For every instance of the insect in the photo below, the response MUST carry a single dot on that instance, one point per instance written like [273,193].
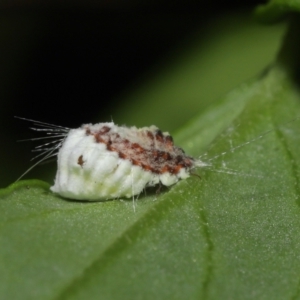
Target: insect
[105,161]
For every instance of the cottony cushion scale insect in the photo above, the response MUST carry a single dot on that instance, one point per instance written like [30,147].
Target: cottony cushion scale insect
[105,161]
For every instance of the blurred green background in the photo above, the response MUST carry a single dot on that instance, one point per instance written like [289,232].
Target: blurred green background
[138,63]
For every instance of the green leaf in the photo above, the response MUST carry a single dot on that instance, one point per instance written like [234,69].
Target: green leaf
[276,9]
[224,236]
[233,234]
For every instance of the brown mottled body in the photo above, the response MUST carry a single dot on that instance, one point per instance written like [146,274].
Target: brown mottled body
[152,149]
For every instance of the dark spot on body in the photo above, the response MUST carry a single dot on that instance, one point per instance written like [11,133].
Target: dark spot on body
[150,135]
[122,155]
[137,148]
[104,130]
[169,143]
[136,162]
[169,139]
[159,136]
[99,139]
[88,131]
[80,160]
[166,156]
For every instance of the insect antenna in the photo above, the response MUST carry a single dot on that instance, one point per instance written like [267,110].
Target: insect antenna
[50,154]
[231,150]
[48,149]
[208,163]
[44,125]
[229,171]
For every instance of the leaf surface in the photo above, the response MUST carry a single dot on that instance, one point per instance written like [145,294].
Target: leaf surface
[276,9]
[233,234]
[218,237]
